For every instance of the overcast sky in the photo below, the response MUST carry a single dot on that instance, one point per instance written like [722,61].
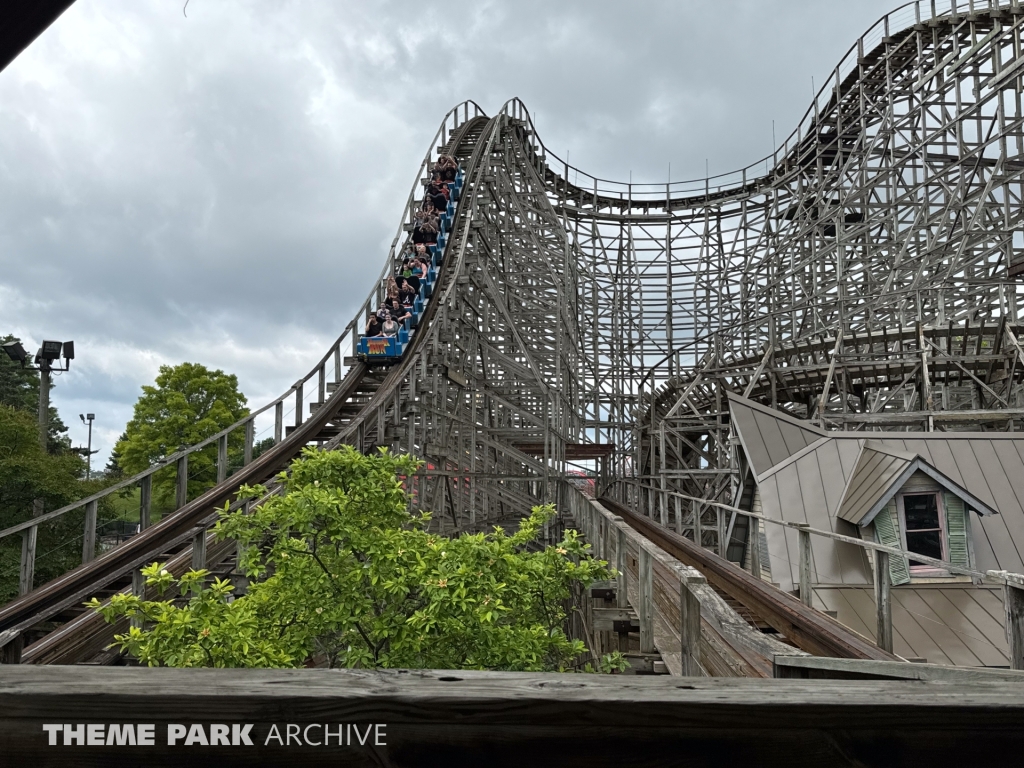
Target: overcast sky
[223,188]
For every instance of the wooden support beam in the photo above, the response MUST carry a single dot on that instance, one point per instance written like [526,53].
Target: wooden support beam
[145,501]
[181,485]
[754,546]
[805,566]
[222,458]
[26,575]
[645,610]
[278,421]
[689,621]
[139,590]
[250,434]
[698,533]
[89,537]
[12,643]
[621,573]
[29,541]
[926,384]
[1013,597]
[621,576]
[883,601]
[199,551]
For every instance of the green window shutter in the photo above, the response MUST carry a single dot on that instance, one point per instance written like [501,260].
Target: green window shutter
[887,531]
[956,529]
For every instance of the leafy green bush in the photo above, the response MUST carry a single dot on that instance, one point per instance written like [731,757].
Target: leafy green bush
[343,575]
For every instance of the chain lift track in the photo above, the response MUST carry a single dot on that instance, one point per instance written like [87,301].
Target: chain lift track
[865,275]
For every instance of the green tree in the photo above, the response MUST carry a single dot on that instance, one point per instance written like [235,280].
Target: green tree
[113,469]
[188,403]
[19,389]
[343,575]
[28,473]
[262,446]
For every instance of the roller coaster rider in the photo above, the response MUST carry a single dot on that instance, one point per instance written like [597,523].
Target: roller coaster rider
[405,293]
[445,170]
[427,227]
[409,289]
[389,327]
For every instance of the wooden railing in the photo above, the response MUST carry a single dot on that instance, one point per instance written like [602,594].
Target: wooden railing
[679,615]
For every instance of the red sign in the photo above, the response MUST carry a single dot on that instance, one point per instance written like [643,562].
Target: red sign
[377,346]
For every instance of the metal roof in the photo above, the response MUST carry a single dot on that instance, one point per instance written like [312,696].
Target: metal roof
[880,472]
[810,485]
[877,470]
[770,437]
[958,625]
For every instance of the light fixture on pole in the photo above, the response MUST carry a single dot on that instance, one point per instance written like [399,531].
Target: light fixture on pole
[16,352]
[48,354]
[88,451]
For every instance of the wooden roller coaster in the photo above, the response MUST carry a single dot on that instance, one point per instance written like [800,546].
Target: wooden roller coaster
[865,276]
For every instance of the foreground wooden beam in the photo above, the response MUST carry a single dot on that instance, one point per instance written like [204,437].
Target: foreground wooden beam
[494,719]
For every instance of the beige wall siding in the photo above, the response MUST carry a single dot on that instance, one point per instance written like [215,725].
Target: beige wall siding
[953,625]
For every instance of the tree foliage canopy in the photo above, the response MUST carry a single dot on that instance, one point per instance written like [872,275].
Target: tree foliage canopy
[27,472]
[188,404]
[344,575]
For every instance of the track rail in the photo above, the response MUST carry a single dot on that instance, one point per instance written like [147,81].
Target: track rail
[808,629]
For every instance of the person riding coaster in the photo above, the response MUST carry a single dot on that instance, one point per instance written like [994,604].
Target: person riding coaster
[405,287]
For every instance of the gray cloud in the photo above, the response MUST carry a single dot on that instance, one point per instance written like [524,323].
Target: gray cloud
[222,188]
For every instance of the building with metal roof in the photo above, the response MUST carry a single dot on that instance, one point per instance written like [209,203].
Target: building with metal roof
[957,497]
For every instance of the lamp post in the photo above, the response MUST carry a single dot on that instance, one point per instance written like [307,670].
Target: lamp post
[48,353]
[88,450]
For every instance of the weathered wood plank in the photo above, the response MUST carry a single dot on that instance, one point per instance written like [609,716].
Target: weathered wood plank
[89,536]
[821,668]
[490,718]
[883,601]
[1014,601]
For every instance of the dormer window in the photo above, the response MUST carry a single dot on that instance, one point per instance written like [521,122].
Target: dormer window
[923,523]
[926,518]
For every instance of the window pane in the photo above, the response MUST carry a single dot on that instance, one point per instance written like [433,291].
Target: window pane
[927,543]
[921,512]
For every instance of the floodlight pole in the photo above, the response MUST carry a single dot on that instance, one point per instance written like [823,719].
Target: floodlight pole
[88,450]
[44,403]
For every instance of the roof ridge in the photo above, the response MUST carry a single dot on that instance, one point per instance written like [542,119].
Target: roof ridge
[873,444]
